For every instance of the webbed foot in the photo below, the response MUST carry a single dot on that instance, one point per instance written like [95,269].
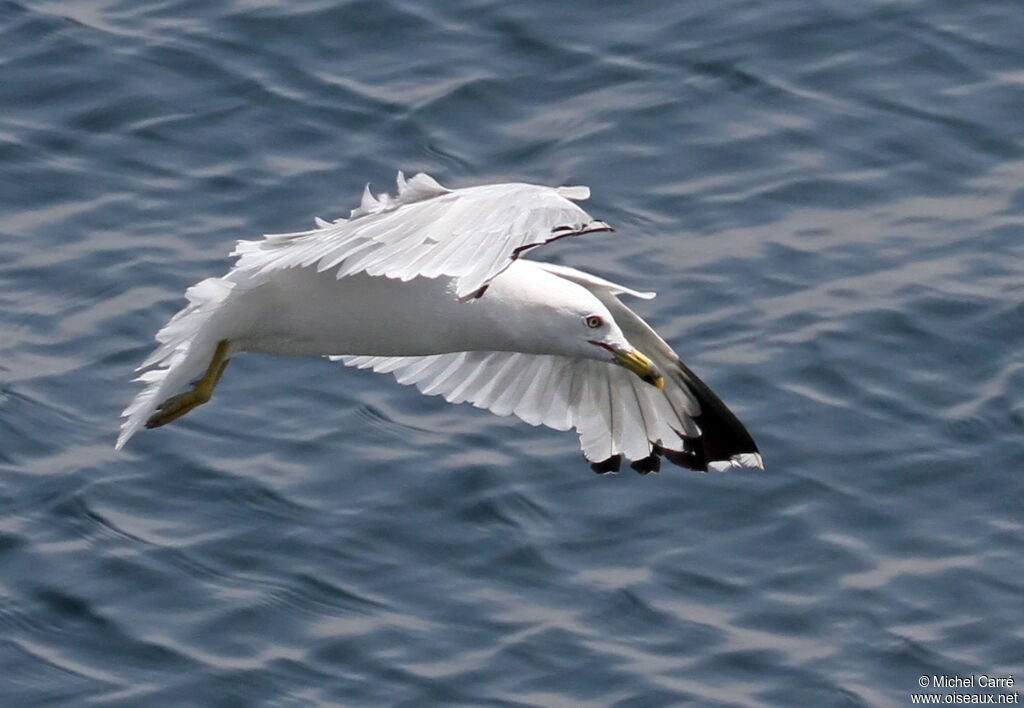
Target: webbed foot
[201,391]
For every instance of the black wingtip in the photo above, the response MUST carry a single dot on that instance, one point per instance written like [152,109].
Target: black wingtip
[646,465]
[608,466]
[687,457]
[723,439]
[723,442]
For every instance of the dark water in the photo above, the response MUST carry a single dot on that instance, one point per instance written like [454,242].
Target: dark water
[829,198]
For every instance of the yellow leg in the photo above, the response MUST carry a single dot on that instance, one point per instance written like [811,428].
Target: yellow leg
[177,406]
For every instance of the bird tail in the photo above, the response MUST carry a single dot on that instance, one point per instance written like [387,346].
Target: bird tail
[187,344]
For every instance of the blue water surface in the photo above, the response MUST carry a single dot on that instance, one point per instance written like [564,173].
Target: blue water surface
[829,198]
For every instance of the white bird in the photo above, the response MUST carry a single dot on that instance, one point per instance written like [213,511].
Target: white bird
[429,285]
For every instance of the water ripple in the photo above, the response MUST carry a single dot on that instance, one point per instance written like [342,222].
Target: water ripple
[828,200]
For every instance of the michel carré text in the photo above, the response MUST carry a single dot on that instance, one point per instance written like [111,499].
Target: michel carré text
[972,681]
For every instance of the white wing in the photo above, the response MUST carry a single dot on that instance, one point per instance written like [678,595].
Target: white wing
[723,441]
[427,230]
[614,412]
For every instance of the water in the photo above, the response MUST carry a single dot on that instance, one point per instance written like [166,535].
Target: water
[828,198]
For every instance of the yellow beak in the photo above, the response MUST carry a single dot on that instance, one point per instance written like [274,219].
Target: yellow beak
[640,365]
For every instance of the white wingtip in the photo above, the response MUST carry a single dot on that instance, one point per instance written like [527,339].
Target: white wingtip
[577,193]
[744,460]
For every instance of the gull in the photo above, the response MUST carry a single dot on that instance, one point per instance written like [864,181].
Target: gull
[431,285]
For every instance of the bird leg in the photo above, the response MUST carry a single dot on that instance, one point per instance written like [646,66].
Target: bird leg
[177,406]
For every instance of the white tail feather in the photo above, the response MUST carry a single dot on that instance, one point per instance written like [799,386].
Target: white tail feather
[187,344]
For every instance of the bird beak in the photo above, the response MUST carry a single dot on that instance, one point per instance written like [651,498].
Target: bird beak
[640,365]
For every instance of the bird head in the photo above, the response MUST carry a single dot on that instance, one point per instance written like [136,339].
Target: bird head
[603,333]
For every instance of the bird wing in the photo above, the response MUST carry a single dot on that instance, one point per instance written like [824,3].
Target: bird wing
[615,413]
[723,440]
[427,230]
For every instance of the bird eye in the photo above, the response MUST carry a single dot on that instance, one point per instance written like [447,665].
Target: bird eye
[594,322]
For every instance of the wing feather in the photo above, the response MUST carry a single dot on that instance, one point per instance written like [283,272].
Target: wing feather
[427,230]
[613,412]
[714,437]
